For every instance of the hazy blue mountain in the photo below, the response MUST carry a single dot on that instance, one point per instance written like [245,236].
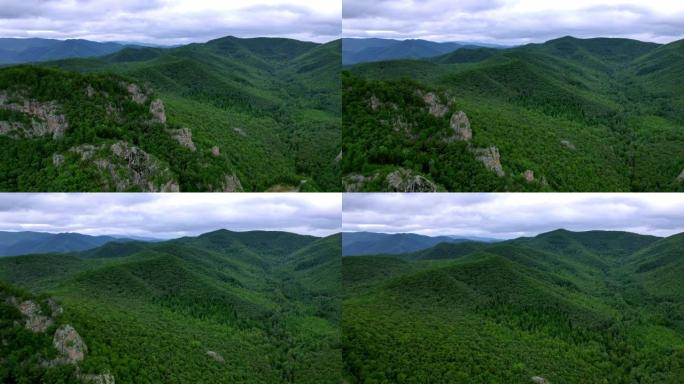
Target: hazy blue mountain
[16,51]
[371,243]
[22,243]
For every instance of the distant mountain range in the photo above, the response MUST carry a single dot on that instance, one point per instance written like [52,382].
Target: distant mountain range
[17,51]
[355,51]
[372,243]
[22,243]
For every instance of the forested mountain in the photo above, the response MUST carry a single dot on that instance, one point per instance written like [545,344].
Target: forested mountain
[223,307]
[373,243]
[562,307]
[229,115]
[567,115]
[21,243]
[16,51]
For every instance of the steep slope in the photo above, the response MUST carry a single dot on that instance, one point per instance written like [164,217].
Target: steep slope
[537,117]
[246,307]
[563,307]
[233,114]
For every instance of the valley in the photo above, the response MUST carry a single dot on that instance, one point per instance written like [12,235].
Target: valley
[561,307]
[566,115]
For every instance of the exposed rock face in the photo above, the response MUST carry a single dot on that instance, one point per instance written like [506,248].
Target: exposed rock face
[35,320]
[435,108]
[216,356]
[69,344]
[529,176]
[55,308]
[374,103]
[57,159]
[567,144]
[45,120]
[87,151]
[232,184]
[491,159]
[338,158]
[158,112]
[140,168]
[680,178]
[354,182]
[170,186]
[184,137]
[461,126]
[103,378]
[90,91]
[215,151]
[539,380]
[136,93]
[403,180]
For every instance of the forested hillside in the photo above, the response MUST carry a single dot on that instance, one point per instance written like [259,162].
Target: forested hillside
[224,307]
[563,307]
[229,115]
[566,115]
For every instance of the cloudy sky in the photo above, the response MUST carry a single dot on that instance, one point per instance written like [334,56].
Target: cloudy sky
[506,216]
[169,215]
[513,22]
[169,22]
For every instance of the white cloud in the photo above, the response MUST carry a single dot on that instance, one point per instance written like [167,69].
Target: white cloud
[171,21]
[513,214]
[170,215]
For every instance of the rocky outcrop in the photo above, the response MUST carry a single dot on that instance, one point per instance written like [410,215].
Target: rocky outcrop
[374,103]
[528,175]
[435,108]
[158,112]
[680,178]
[103,378]
[403,180]
[184,137]
[69,344]
[240,131]
[137,94]
[90,91]
[567,144]
[460,124]
[355,182]
[491,158]
[539,380]
[87,151]
[35,320]
[215,151]
[45,118]
[216,356]
[232,184]
[57,159]
[338,158]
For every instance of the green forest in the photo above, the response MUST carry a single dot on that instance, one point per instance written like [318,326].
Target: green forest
[567,115]
[224,307]
[562,307]
[229,115]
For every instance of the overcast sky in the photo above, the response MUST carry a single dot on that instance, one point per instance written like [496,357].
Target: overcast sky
[506,216]
[169,215]
[170,22]
[513,22]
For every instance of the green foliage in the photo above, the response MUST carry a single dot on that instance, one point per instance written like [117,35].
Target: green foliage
[570,307]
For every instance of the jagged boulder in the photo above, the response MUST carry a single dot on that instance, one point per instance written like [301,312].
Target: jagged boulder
[158,112]
[491,158]
[216,356]
[103,378]
[55,308]
[35,320]
[137,94]
[184,137]
[57,159]
[45,118]
[215,151]
[528,175]
[232,184]
[460,124]
[404,180]
[69,344]
[568,144]
[435,108]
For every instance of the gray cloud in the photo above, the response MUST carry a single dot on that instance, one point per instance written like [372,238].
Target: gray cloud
[514,21]
[170,21]
[170,215]
[512,215]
